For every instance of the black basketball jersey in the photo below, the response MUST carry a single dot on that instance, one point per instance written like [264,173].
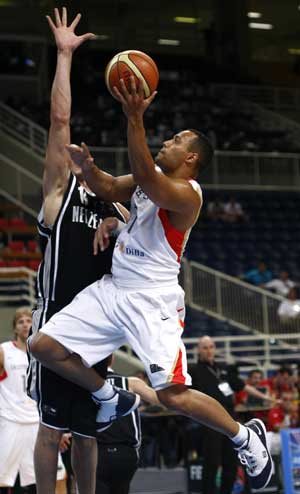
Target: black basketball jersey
[126,430]
[68,264]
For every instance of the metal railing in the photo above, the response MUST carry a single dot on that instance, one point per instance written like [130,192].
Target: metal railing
[19,185]
[260,351]
[276,98]
[243,305]
[17,285]
[242,170]
[23,129]
[230,169]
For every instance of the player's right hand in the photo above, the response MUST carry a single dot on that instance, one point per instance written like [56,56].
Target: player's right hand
[65,442]
[65,38]
[103,232]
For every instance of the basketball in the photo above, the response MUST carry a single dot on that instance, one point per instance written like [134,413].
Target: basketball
[132,62]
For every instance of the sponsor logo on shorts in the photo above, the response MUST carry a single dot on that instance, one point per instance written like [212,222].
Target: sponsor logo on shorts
[155,368]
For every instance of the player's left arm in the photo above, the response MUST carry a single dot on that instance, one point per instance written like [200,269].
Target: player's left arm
[147,393]
[174,195]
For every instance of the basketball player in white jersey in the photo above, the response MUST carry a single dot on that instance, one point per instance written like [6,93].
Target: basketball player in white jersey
[142,303]
[19,416]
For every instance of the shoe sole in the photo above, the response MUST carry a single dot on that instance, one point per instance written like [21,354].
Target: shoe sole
[134,406]
[264,440]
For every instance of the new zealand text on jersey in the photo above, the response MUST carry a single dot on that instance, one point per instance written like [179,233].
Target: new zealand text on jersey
[84,215]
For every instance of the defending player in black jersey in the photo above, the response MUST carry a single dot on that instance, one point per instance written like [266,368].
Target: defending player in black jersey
[67,223]
[118,446]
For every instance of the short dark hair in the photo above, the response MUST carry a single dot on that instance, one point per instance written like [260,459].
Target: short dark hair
[255,371]
[201,145]
[285,369]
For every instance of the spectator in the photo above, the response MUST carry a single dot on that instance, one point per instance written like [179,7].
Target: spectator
[284,416]
[283,381]
[220,382]
[258,276]
[255,379]
[282,284]
[215,209]
[233,211]
[289,309]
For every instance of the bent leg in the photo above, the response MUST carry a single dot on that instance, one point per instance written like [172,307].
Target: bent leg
[57,358]
[199,407]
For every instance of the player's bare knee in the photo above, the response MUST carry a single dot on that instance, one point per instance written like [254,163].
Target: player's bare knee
[173,397]
[83,442]
[44,348]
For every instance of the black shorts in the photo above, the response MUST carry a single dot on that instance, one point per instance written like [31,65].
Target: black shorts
[117,464]
[62,405]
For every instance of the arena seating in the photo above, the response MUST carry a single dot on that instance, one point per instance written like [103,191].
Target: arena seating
[272,234]
[228,124]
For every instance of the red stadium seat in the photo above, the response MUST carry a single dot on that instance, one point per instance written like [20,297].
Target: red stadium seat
[15,263]
[16,245]
[4,223]
[32,246]
[33,264]
[17,222]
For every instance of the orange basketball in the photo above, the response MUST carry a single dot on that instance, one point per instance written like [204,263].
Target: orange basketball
[132,62]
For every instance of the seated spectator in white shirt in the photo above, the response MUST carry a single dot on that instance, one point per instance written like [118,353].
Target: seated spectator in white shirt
[215,209]
[289,309]
[233,211]
[282,284]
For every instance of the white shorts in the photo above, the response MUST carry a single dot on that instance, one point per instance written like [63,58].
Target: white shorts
[104,317]
[16,453]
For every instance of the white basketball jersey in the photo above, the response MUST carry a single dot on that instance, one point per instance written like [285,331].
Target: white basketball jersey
[148,250]
[15,405]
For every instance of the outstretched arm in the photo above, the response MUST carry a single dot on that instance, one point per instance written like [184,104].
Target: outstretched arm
[141,388]
[251,390]
[105,186]
[56,170]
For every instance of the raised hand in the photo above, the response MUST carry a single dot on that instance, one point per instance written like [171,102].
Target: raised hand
[80,155]
[133,102]
[65,37]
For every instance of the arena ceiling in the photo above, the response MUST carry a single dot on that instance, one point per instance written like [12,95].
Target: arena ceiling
[139,24]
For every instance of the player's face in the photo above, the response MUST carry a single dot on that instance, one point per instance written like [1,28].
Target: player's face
[23,326]
[174,151]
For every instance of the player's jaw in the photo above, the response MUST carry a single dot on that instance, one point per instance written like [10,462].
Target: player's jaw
[22,332]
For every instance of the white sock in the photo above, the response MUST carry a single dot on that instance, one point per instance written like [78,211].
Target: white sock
[105,392]
[241,436]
